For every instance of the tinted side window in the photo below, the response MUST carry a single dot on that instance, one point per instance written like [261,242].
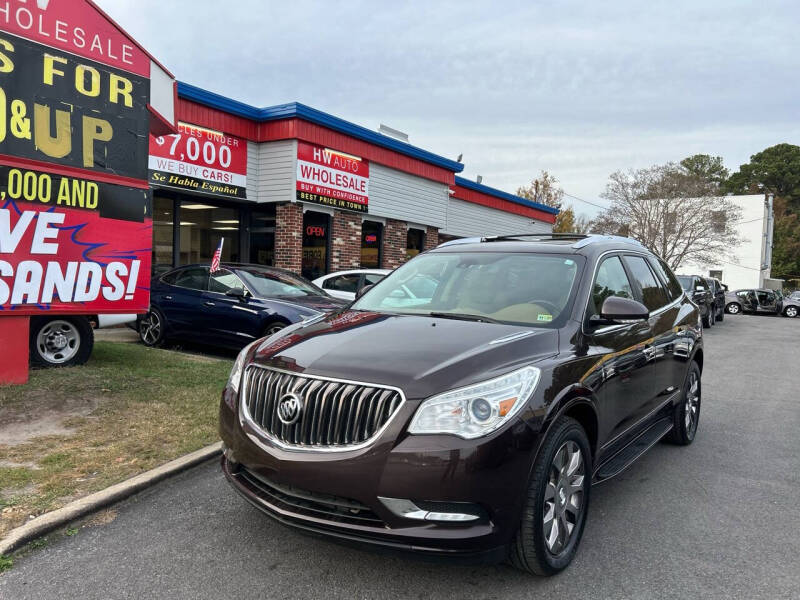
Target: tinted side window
[611,280]
[653,295]
[667,277]
[223,280]
[344,283]
[193,279]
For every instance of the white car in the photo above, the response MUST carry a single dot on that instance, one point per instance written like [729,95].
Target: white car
[345,284]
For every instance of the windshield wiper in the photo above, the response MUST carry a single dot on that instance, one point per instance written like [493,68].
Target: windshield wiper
[463,317]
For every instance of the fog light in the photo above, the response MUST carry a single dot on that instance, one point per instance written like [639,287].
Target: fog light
[434,511]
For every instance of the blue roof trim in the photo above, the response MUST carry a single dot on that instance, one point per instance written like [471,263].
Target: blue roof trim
[301,111]
[485,189]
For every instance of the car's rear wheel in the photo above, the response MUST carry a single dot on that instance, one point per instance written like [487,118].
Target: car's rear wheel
[790,311]
[556,502]
[687,413]
[708,319]
[152,328]
[60,341]
[721,315]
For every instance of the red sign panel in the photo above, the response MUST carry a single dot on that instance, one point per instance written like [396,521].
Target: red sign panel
[200,160]
[75,221]
[74,26]
[332,178]
[69,245]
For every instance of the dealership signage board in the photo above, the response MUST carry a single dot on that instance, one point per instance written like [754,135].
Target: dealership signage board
[332,178]
[75,116]
[199,160]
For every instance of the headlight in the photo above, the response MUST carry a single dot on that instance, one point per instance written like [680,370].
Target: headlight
[478,409]
[238,366]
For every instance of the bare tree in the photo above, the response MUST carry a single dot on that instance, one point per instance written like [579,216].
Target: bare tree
[675,213]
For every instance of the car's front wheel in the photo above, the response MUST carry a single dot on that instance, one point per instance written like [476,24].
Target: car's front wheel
[556,502]
[733,308]
[790,311]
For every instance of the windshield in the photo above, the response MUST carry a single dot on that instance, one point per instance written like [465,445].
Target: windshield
[686,282]
[524,288]
[268,284]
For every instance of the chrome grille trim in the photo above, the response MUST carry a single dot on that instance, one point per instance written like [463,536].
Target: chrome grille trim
[339,415]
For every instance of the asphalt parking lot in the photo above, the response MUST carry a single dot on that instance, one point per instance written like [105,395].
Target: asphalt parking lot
[719,519]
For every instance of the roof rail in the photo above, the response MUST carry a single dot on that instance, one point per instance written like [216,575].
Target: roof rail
[594,238]
[550,236]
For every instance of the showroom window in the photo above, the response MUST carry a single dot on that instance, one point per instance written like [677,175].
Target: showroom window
[371,237]
[163,221]
[201,228]
[415,242]
[316,231]
[262,236]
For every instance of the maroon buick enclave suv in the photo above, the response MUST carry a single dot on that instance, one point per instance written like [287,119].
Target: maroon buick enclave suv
[464,405]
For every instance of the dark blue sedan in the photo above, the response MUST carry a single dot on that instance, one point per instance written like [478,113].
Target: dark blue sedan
[230,307]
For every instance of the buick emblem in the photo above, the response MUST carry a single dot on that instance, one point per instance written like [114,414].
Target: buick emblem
[289,408]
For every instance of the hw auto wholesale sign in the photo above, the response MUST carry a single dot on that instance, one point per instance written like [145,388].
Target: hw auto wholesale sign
[200,160]
[75,222]
[332,178]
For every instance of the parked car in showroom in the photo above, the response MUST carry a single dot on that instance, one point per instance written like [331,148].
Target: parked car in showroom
[752,301]
[473,424]
[229,307]
[698,289]
[67,340]
[346,284]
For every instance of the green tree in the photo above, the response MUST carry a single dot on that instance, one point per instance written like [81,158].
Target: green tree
[709,168]
[544,190]
[776,170]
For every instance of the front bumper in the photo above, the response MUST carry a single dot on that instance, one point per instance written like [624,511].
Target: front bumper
[491,473]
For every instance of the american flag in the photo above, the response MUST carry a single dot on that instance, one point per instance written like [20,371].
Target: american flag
[217,256]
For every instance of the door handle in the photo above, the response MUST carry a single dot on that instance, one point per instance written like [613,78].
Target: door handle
[167,297]
[208,303]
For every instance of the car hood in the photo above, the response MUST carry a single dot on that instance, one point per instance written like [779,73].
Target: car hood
[420,355]
[318,303]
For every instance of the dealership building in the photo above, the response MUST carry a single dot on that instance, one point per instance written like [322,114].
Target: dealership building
[297,188]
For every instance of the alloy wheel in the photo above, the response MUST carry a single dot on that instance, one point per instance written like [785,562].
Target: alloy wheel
[150,328]
[733,309]
[58,341]
[274,329]
[563,496]
[692,403]
[791,311]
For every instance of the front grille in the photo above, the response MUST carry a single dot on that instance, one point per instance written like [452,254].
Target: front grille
[333,414]
[312,504]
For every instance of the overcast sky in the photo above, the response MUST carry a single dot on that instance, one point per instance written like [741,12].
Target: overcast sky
[578,88]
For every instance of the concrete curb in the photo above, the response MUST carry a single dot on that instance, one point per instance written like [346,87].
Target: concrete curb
[74,510]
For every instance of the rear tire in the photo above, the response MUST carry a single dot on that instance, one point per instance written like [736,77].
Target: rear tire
[721,316]
[60,341]
[556,502]
[152,328]
[708,319]
[686,416]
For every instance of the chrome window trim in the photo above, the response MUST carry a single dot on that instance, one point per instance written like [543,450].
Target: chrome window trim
[600,259]
[244,413]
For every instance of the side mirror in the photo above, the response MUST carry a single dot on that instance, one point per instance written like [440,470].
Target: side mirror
[623,310]
[236,292]
[364,290]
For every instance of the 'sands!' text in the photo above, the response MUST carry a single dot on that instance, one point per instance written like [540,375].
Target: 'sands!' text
[58,252]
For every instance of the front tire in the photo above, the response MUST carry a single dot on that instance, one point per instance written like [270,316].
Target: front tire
[60,341]
[733,308]
[708,319]
[687,414]
[556,502]
[790,311]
